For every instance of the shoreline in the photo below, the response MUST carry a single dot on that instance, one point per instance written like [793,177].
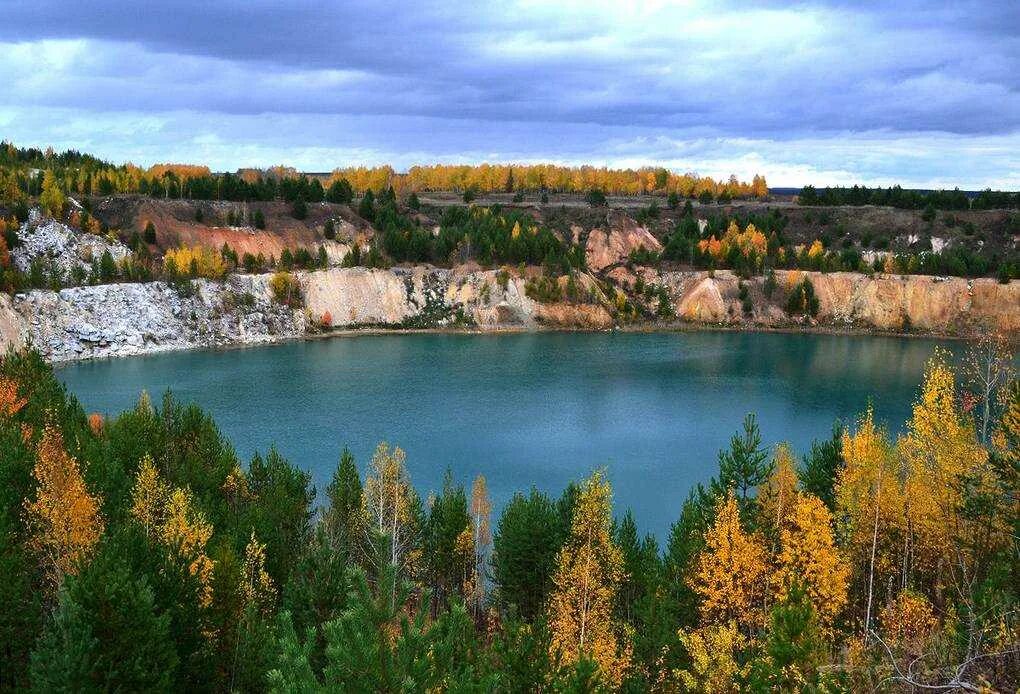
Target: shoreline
[372,331]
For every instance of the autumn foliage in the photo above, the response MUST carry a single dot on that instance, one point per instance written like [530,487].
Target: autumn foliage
[64,518]
[487,178]
[877,562]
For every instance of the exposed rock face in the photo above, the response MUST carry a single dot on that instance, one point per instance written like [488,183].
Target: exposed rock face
[123,319]
[12,325]
[610,246]
[895,302]
[65,247]
[888,302]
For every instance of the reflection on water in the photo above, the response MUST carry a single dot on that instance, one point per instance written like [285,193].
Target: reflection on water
[531,409]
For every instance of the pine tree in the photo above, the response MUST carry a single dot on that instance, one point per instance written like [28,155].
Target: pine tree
[793,650]
[450,562]
[528,538]
[293,672]
[107,633]
[743,467]
[821,467]
[344,518]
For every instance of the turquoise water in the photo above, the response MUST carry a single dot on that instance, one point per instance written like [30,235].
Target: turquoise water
[528,409]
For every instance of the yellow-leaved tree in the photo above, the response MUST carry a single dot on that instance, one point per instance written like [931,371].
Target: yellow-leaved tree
[810,558]
[390,502]
[938,451]
[870,504]
[589,568]
[256,585]
[777,497]
[169,516]
[52,198]
[713,666]
[186,531]
[10,402]
[64,520]
[729,575]
[149,497]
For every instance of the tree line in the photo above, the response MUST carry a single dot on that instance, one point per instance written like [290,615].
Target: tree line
[137,553]
[896,196]
[21,171]
[752,244]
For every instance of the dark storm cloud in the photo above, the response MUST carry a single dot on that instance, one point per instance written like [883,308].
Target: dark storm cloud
[760,70]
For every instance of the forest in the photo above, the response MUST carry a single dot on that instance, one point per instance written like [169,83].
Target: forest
[138,553]
[21,173]
[895,196]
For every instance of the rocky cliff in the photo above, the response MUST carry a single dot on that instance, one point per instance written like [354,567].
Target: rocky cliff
[888,303]
[124,319]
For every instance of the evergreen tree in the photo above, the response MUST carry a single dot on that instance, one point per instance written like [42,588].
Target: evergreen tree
[366,208]
[822,466]
[292,673]
[743,467]
[343,520]
[793,650]
[107,633]
[528,536]
[449,544]
[317,593]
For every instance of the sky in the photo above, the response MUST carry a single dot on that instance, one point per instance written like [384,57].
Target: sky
[925,94]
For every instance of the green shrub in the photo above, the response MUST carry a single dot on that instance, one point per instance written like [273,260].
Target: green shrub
[802,300]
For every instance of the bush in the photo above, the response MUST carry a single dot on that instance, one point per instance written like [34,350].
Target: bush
[543,289]
[469,196]
[340,192]
[366,208]
[595,198]
[150,233]
[299,210]
[329,230]
[802,300]
[286,289]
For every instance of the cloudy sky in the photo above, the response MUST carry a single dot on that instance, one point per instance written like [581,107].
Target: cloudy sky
[823,91]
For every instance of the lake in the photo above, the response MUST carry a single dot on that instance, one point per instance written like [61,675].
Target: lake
[525,410]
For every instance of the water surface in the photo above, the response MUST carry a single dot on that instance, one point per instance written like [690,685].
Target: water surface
[528,409]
